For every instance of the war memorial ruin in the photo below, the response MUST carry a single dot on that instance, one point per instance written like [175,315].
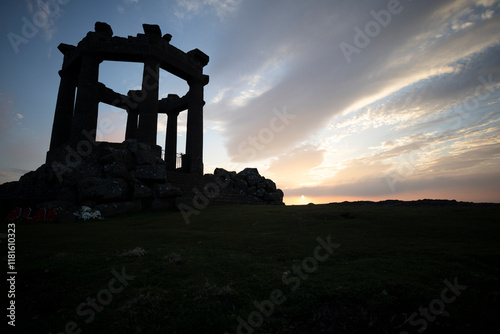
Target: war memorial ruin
[131,176]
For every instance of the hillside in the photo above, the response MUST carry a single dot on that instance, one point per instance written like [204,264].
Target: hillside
[337,268]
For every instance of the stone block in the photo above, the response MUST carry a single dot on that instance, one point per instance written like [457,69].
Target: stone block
[260,192]
[119,208]
[143,157]
[104,29]
[276,196]
[151,172]
[152,29]
[117,170]
[122,156]
[166,191]
[99,189]
[140,190]
[161,204]
[251,175]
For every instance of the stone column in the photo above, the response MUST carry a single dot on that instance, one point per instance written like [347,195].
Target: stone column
[63,117]
[148,117]
[171,140]
[131,130]
[194,135]
[86,106]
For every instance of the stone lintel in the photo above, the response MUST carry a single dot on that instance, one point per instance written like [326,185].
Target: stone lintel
[104,29]
[173,104]
[108,96]
[199,57]
[136,49]
[65,48]
[152,29]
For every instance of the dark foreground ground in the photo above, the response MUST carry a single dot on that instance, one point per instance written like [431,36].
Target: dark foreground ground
[391,267]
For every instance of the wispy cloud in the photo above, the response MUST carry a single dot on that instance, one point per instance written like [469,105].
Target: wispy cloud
[45,14]
[318,86]
[222,8]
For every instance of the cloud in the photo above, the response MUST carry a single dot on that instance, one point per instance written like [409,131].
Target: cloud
[296,165]
[44,15]
[222,8]
[480,187]
[312,79]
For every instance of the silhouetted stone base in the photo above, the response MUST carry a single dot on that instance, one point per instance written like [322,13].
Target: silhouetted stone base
[129,177]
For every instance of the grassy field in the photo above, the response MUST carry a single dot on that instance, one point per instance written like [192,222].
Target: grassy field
[337,268]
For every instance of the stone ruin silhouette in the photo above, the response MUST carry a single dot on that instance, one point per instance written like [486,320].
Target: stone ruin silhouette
[77,120]
[131,176]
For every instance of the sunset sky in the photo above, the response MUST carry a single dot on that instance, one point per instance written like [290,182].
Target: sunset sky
[333,100]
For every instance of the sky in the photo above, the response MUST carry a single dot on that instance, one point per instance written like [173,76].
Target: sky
[333,100]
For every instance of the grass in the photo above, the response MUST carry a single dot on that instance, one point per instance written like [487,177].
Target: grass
[206,276]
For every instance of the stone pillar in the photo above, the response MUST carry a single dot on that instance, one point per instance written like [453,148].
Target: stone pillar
[194,135]
[171,140]
[148,117]
[131,130]
[86,106]
[63,117]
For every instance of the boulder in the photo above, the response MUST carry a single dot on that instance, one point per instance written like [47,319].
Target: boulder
[104,29]
[116,170]
[99,189]
[160,204]
[275,197]
[251,175]
[259,192]
[166,191]
[269,185]
[122,156]
[140,190]
[151,172]
[81,172]
[119,208]
[143,157]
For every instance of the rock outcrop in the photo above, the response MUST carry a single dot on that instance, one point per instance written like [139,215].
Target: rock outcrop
[130,177]
[115,178]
